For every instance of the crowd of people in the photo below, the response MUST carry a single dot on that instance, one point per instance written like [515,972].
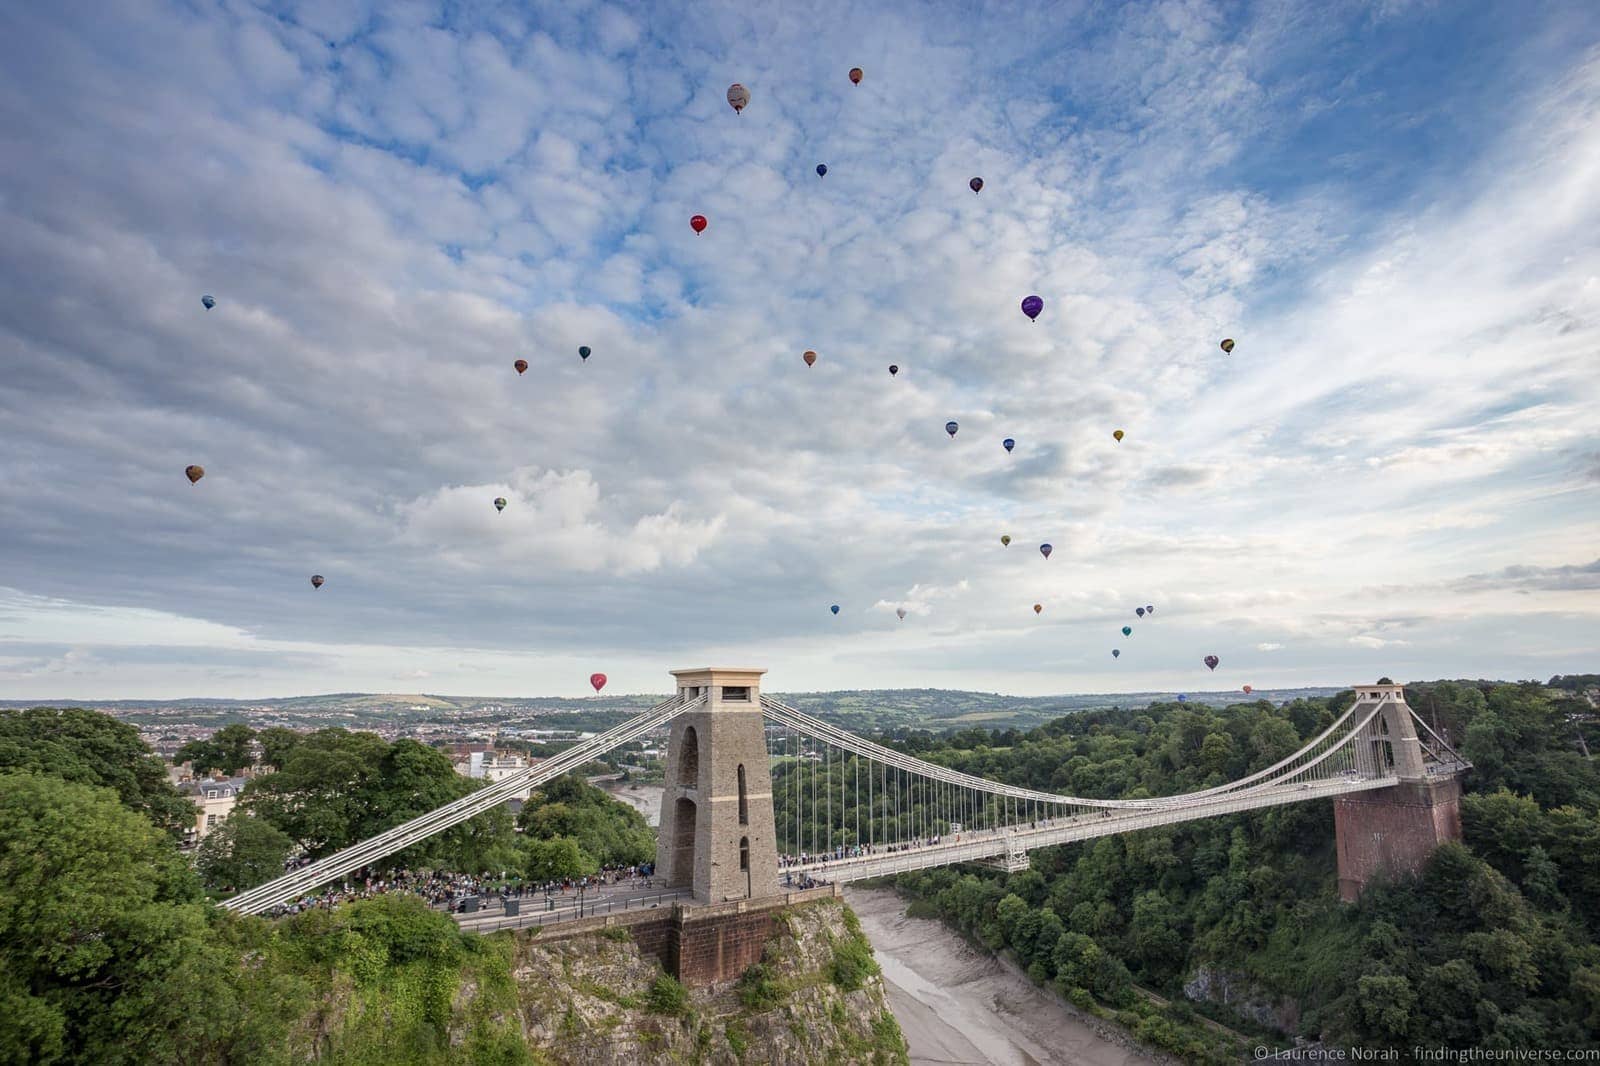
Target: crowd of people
[451,891]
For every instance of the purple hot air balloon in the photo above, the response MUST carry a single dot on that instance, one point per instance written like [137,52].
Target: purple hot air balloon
[1139,611]
[1212,661]
[1045,550]
[1032,305]
[1149,610]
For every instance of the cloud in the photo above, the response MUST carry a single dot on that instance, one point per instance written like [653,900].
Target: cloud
[392,204]
[1269,646]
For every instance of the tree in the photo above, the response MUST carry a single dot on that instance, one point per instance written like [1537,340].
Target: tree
[277,744]
[94,749]
[614,833]
[243,852]
[105,951]
[556,859]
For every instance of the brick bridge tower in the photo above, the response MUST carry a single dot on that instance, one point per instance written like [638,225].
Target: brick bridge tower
[717,835]
[1390,832]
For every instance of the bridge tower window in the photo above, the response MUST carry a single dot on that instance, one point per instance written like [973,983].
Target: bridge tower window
[744,853]
[744,803]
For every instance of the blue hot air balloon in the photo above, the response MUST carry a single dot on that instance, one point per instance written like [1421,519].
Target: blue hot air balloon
[1182,698]
[1116,653]
[1032,305]
[1127,631]
[834,608]
[208,301]
[951,427]
[1008,444]
[1139,611]
[822,169]
[1045,550]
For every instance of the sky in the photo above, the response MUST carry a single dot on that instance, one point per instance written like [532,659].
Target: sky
[1393,208]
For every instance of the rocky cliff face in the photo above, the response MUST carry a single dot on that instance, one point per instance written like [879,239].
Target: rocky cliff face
[1242,996]
[816,997]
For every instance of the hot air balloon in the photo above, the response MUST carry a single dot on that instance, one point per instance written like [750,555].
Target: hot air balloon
[1031,306]
[316,581]
[976,184]
[499,503]
[208,302]
[951,427]
[893,370]
[1008,444]
[738,97]
[584,352]
[1127,631]
[1211,661]
[1116,653]
[1182,698]
[194,473]
[1227,345]
[855,75]
[1248,690]
[901,613]
[1038,608]
[698,223]
[834,608]
[598,681]
[1005,539]
[1149,610]
[822,170]
[810,358]
[1116,434]
[1139,611]
[1045,550]
[521,365]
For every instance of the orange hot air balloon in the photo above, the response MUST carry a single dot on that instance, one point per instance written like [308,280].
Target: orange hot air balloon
[698,223]
[1117,434]
[521,365]
[194,473]
[598,681]
[810,358]
[1038,608]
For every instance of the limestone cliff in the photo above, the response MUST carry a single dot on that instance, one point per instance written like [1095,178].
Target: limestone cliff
[815,997]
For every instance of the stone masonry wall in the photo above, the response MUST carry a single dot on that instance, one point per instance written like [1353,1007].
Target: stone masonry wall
[1391,832]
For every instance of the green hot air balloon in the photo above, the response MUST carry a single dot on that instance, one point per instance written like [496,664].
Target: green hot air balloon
[1127,631]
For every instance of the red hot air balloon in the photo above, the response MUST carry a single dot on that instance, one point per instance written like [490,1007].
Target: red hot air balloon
[1248,690]
[598,681]
[810,358]
[855,75]
[1211,661]
[698,223]
[521,365]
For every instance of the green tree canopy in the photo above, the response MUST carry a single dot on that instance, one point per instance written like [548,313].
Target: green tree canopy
[230,749]
[243,852]
[613,833]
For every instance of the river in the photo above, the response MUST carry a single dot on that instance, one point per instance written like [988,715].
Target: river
[956,1003]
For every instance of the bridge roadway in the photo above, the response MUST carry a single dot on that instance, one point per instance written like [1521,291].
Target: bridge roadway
[988,845]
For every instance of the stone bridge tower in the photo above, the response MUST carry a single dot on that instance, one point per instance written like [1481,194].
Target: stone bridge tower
[717,834]
[1391,832]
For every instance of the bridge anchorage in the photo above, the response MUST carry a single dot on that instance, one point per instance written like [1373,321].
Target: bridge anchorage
[762,800]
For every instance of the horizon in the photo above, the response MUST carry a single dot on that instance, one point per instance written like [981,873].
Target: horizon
[1394,471]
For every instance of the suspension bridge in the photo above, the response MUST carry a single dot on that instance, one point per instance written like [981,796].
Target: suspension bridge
[761,797]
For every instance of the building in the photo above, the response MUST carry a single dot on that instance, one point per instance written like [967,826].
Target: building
[487,765]
[214,798]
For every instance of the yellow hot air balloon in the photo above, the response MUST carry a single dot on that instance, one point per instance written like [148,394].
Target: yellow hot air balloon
[194,473]
[1117,434]
[1227,345]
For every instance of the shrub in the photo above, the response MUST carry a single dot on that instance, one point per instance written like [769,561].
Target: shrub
[667,996]
[852,964]
[758,990]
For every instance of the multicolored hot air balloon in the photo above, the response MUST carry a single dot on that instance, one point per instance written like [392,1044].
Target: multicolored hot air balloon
[1038,608]
[208,302]
[698,223]
[900,612]
[598,681]
[1248,690]
[1127,631]
[1116,653]
[976,185]
[738,97]
[194,473]
[584,352]
[499,503]
[1045,550]
[521,365]
[1139,611]
[1032,305]
[822,170]
[834,608]
[1211,661]
[1116,434]
[316,581]
[1005,539]
[951,427]
[1008,444]
[1227,345]
[893,370]
[855,75]
[810,358]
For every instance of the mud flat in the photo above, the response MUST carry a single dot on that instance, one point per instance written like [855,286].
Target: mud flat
[959,1004]
[646,799]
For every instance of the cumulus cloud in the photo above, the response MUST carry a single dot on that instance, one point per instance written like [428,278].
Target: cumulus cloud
[391,207]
